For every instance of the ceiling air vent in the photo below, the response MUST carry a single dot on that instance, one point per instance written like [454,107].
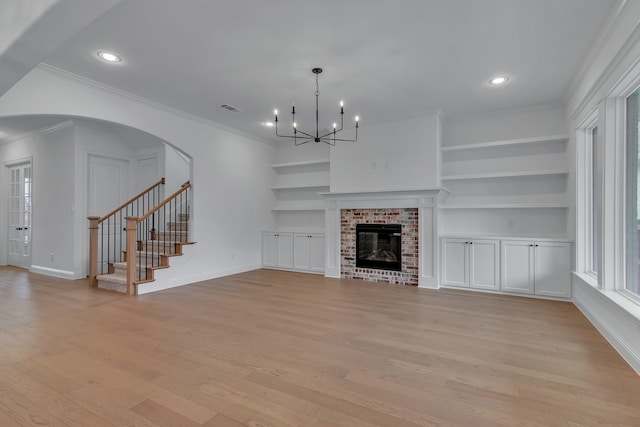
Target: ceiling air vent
[230,108]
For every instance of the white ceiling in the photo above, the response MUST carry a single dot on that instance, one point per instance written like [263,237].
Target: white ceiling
[387,60]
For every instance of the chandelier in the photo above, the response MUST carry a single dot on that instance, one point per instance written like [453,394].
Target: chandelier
[300,137]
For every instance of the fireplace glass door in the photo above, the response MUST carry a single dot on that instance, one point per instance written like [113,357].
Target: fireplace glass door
[379,246]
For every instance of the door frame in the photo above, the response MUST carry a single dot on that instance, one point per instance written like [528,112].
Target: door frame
[4,204]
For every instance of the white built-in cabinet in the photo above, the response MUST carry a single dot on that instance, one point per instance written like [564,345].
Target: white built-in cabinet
[277,249]
[536,267]
[471,263]
[532,267]
[308,252]
[293,251]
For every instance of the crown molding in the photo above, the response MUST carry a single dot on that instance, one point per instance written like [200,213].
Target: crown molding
[47,129]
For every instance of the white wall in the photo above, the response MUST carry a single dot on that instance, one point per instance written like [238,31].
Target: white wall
[177,169]
[389,156]
[231,172]
[52,154]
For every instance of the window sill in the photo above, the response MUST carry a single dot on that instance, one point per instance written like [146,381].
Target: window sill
[616,298]
[587,278]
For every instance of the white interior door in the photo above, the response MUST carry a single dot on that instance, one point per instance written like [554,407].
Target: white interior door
[20,215]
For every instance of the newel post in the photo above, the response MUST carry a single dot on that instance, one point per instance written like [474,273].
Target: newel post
[132,255]
[93,249]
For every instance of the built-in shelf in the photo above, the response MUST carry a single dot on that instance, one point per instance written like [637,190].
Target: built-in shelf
[301,187]
[301,205]
[510,174]
[506,142]
[310,163]
[298,209]
[551,205]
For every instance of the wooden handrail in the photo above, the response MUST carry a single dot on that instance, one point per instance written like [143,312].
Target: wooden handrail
[131,200]
[183,188]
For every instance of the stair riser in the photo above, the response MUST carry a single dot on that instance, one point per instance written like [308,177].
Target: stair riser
[177,226]
[176,236]
[110,286]
[123,270]
[165,248]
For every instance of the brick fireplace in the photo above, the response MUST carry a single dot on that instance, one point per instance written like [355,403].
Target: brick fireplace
[416,210]
[407,218]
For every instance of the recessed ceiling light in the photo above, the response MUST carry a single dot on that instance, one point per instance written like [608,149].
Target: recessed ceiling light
[267,124]
[499,80]
[109,57]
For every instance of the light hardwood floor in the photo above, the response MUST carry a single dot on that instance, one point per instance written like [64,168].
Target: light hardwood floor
[269,348]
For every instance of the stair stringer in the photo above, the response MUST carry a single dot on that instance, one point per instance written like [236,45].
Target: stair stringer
[187,269]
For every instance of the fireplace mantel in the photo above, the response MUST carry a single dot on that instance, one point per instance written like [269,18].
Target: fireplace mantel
[393,198]
[426,200]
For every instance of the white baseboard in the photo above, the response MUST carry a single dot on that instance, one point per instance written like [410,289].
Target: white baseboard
[616,324]
[63,274]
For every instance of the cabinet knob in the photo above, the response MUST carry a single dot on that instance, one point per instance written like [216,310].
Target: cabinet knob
[531,245]
[536,246]
[471,243]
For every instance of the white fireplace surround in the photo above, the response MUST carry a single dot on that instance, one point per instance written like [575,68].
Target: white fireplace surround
[425,200]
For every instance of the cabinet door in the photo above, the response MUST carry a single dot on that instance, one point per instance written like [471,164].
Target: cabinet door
[484,264]
[285,250]
[301,244]
[269,249]
[517,266]
[316,253]
[553,269]
[454,262]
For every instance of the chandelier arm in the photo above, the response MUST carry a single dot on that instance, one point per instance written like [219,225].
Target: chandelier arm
[303,142]
[339,139]
[342,139]
[305,134]
[341,121]
[292,136]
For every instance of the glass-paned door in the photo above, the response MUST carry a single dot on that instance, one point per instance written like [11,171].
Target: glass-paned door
[20,215]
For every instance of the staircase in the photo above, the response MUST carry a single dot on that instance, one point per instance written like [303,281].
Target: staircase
[152,255]
[129,255]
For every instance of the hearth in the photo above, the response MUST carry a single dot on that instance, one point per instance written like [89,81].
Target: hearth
[379,246]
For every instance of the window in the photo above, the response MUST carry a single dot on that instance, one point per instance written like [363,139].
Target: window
[632,201]
[596,200]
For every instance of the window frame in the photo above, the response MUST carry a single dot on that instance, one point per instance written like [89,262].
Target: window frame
[585,176]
